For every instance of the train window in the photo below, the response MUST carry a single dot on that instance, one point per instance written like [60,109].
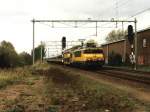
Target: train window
[90,51]
[77,53]
[144,43]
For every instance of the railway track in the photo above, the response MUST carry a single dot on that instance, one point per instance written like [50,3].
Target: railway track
[130,75]
[126,75]
[127,70]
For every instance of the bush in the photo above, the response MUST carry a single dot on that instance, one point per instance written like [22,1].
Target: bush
[37,52]
[115,59]
[8,55]
[25,59]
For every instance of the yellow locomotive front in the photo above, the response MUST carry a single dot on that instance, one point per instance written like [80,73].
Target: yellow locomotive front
[93,56]
[88,57]
[66,58]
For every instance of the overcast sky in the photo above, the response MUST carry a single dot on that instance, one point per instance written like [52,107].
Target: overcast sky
[15,16]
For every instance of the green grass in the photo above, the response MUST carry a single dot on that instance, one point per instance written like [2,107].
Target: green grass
[19,75]
[40,66]
[12,76]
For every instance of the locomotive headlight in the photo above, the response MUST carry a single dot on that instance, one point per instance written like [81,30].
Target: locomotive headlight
[98,58]
[88,59]
[101,58]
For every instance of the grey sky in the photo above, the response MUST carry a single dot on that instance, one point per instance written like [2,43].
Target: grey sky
[15,16]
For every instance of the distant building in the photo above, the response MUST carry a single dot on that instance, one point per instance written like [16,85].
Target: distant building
[123,48]
[144,47]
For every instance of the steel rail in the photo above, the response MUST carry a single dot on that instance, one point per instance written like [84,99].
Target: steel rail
[127,76]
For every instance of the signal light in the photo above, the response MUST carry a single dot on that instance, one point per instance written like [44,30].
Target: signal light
[63,42]
[130,34]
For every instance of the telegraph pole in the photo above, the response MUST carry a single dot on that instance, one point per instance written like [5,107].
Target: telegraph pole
[33,53]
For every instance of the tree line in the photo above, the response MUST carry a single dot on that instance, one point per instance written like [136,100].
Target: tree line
[9,58]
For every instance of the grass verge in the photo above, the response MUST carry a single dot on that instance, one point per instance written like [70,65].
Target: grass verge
[72,93]
[12,76]
[54,89]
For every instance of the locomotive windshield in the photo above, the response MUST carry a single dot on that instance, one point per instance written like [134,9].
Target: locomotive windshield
[95,51]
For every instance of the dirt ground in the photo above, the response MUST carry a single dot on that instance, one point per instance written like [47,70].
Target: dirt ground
[34,95]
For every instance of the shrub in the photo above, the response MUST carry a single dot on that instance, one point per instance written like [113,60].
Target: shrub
[8,55]
[115,59]
[25,59]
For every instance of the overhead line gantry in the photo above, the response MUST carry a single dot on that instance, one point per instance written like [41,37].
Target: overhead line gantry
[88,21]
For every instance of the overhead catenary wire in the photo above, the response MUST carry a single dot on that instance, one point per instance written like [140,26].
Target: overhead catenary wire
[140,12]
[134,15]
[115,5]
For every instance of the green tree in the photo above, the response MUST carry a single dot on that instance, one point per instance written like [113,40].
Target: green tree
[25,58]
[116,35]
[37,52]
[8,55]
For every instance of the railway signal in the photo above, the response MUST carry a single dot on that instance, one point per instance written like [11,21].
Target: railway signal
[63,43]
[130,34]
[133,44]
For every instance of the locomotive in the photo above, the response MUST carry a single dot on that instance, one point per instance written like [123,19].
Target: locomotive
[84,56]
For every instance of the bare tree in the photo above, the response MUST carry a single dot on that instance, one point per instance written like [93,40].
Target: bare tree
[116,35]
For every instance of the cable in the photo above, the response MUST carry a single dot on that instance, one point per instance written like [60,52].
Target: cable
[124,3]
[44,24]
[140,12]
[117,7]
[118,3]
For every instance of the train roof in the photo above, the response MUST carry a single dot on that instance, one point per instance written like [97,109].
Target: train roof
[89,48]
[81,48]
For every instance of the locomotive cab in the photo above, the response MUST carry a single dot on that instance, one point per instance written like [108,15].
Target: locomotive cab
[93,56]
[88,57]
